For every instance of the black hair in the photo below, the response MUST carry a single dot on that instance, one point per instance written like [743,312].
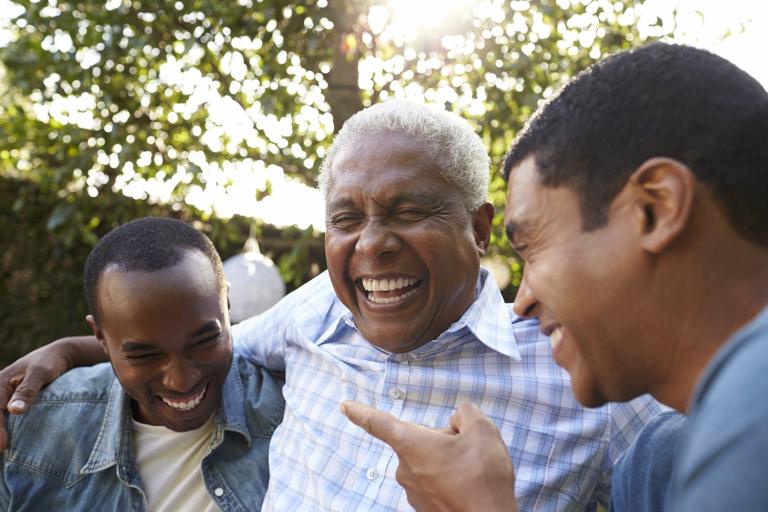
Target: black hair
[147,244]
[663,100]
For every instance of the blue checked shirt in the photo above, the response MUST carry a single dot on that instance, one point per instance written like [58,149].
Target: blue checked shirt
[563,453]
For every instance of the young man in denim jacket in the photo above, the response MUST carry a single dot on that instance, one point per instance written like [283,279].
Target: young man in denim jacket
[175,423]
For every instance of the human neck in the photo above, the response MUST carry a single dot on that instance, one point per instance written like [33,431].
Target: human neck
[713,305]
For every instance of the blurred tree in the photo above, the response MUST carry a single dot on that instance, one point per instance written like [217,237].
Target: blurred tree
[163,101]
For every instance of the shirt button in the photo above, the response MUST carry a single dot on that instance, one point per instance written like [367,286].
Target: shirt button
[371,474]
[219,492]
[396,394]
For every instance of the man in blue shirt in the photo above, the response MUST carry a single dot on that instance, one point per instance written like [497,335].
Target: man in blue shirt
[637,198]
[174,423]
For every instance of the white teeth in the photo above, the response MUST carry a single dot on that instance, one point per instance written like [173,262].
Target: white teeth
[186,405]
[556,337]
[390,300]
[386,285]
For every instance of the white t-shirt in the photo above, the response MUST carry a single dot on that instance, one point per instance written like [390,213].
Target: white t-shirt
[170,467]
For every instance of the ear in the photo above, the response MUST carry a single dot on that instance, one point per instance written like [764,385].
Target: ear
[482,227]
[98,333]
[665,190]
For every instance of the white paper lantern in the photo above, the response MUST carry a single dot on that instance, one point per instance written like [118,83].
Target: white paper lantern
[255,284]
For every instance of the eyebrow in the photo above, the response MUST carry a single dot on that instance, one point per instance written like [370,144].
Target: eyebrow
[396,200]
[136,346]
[341,203]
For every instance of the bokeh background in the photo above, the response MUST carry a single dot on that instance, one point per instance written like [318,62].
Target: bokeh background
[219,112]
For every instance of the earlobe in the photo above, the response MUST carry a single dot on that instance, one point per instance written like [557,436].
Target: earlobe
[482,227]
[665,189]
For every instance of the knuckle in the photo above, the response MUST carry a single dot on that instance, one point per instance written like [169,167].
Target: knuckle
[26,389]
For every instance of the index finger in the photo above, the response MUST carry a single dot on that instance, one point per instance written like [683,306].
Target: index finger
[379,424]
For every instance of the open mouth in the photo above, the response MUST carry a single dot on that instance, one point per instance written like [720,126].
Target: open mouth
[389,290]
[186,404]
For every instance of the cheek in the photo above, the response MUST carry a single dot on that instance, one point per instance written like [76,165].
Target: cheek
[337,250]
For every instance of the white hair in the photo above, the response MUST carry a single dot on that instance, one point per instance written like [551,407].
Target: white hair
[458,151]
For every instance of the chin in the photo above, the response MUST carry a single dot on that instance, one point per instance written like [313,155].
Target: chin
[589,396]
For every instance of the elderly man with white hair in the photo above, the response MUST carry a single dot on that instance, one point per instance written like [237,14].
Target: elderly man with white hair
[407,321]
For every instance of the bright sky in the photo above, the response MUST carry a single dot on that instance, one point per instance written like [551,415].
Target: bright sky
[735,29]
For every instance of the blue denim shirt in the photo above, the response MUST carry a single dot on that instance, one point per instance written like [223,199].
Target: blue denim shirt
[73,450]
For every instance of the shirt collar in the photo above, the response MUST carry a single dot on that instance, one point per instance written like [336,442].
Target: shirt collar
[114,435]
[231,413]
[722,356]
[488,318]
[113,444]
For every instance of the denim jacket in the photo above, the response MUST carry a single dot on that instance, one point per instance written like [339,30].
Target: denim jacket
[73,450]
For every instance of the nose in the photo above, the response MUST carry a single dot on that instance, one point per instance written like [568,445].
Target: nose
[377,239]
[526,304]
[180,375]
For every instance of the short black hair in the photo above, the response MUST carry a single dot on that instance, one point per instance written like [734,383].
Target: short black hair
[147,244]
[663,100]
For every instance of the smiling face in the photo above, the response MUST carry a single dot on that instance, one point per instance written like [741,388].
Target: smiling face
[402,250]
[588,288]
[166,333]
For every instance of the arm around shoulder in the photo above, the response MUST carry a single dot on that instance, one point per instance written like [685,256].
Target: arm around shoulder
[22,380]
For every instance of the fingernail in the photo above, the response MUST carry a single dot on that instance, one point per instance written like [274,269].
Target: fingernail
[17,404]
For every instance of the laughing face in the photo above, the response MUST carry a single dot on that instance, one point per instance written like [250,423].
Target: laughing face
[589,289]
[402,249]
[166,333]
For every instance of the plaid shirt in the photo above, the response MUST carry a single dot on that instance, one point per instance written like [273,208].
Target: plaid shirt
[563,453]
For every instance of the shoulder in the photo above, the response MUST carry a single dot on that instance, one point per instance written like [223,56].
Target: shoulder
[729,401]
[312,304]
[79,384]
[654,449]
[262,394]
[65,419]
[726,447]
[641,479]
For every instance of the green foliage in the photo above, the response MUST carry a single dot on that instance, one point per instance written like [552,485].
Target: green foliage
[100,100]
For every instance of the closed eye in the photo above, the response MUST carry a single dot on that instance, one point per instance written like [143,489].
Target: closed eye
[411,214]
[212,340]
[146,356]
[344,221]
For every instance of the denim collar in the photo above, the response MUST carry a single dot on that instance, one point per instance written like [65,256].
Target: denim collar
[114,444]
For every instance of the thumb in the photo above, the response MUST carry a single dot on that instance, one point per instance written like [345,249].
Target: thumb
[26,392]
[379,424]
[469,416]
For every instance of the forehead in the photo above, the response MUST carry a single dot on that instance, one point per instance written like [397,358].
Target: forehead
[523,192]
[135,292]
[387,165]
[532,206]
